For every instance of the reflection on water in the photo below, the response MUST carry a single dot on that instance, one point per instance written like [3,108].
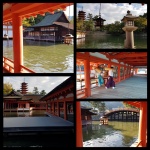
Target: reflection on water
[115,134]
[31,113]
[95,40]
[44,57]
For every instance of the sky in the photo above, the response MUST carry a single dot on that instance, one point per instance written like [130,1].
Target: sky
[46,83]
[71,12]
[112,12]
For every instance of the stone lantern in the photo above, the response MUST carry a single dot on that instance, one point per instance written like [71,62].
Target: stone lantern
[129,28]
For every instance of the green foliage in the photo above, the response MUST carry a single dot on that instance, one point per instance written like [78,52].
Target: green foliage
[43,92]
[141,23]
[90,16]
[7,88]
[25,22]
[87,25]
[114,28]
[35,90]
[98,104]
[39,18]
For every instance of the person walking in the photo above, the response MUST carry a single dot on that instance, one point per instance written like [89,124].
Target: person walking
[98,76]
[110,82]
[100,80]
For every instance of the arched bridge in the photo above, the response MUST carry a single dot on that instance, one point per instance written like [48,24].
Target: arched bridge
[123,114]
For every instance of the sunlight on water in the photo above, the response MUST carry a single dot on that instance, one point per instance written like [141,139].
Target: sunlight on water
[115,134]
[44,57]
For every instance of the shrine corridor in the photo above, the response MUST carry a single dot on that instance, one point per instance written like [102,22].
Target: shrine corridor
[133,87]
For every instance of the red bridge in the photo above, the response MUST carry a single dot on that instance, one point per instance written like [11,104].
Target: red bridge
[130,114]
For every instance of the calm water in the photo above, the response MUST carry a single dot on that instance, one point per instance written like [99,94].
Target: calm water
[115,134]
[32,113]
[94,40]
[44,57]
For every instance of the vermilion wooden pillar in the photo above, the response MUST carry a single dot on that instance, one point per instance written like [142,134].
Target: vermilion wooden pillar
[124,74]
[58,109]
[65,111]
[87,74]
[79,136]
[143,123]
[17,42]
[119,73]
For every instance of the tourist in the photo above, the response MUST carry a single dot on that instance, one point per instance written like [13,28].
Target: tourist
[100,80]
[98,75]
[110,82]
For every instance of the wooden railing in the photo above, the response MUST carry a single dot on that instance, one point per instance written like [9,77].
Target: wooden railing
[137,144]
[8,65]
[122,109]
[82,93]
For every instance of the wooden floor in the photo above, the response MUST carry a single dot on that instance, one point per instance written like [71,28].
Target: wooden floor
[134,87]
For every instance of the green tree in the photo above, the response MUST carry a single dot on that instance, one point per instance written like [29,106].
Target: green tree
[43,92]
[31,21]
[35,90]
[95,17]
[39,18]
[25,22]
[90,16]
[7,88]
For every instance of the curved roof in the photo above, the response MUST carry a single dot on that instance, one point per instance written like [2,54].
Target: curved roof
[51,18]
[67,82]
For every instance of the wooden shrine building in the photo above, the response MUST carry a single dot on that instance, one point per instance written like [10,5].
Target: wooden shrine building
[14,13]
[22,101]
[59,101]
[52,28]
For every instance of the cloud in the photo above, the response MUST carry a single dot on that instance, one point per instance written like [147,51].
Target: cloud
[41,82]
[112,12]
[69,12]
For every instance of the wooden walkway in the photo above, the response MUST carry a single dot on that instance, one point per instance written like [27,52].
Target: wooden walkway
[132,88]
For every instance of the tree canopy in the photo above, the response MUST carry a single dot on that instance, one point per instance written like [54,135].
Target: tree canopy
[113,28]
[7,88]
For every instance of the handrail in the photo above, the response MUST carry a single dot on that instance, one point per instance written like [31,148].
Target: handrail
[136,143]
[119,109]
[8,65]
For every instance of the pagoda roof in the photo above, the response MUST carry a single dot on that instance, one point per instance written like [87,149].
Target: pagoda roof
[51,18]
[99,18]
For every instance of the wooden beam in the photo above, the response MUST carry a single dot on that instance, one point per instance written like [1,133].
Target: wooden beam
[128,55]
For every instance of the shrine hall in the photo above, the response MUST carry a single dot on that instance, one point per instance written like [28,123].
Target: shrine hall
[14,13]
[129,75]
